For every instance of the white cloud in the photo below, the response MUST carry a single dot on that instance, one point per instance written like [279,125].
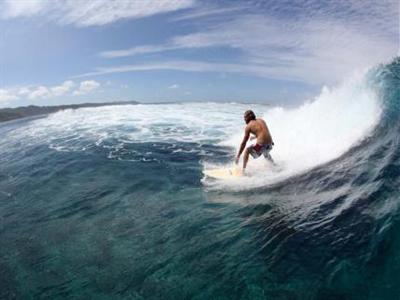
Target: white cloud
[138,50]
[63,88]
[174,86]
[206,12]
[21,8]
[195,66]
[46,92]
[90,13]
[86,87]
[24,91]
[39,92]
[6,96]
[318,44]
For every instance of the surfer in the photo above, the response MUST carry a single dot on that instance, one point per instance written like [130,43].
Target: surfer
[264,144]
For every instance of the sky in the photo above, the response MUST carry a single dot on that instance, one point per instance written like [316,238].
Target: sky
[274,52]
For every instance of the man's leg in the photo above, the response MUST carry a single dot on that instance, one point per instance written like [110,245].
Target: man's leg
[269,157]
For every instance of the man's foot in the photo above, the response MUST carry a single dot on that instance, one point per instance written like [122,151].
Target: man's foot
[236,172]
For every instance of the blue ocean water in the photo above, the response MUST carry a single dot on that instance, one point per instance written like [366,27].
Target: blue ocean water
[111,202]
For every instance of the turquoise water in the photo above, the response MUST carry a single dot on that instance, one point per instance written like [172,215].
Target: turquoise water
[107,203]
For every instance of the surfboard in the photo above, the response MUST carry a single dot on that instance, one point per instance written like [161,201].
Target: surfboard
[223,173]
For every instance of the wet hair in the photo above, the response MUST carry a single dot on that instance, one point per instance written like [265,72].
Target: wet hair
[249,115]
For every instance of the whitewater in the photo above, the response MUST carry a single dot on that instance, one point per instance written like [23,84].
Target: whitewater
[314,133]
[114,201]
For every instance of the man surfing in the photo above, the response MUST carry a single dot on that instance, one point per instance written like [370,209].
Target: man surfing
[264,144]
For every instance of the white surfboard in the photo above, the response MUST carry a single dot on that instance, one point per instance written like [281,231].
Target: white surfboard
[223,173]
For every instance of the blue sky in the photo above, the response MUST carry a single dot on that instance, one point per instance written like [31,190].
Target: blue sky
[278,52]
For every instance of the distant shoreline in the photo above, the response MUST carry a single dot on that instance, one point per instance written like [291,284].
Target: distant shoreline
[8,114]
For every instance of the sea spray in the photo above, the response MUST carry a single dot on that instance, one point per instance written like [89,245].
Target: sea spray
[317,132]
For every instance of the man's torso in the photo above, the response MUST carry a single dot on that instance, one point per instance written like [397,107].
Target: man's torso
[259,128]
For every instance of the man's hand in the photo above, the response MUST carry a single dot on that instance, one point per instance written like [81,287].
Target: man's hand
[237,160]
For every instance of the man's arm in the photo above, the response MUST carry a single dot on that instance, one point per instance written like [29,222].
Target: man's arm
[243,144]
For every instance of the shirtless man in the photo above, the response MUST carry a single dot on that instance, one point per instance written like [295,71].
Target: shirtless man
[264,144]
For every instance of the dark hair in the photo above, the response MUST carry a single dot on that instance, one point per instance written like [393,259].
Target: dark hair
[249,115]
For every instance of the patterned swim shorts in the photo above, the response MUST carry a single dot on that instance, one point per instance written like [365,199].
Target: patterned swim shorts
[257,149]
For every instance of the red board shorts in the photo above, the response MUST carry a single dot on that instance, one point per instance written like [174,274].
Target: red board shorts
[257,149]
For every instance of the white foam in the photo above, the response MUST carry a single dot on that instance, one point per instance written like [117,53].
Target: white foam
[314,133]
[189,122]
[305,137]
